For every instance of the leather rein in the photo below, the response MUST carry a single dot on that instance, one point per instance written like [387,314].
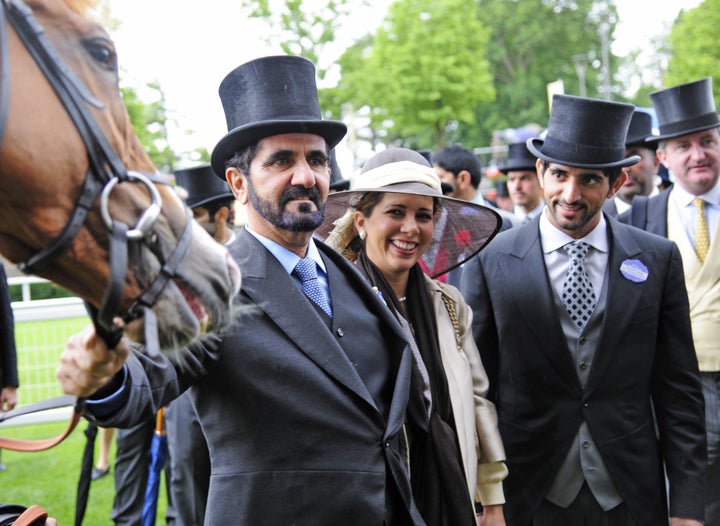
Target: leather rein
[105,171]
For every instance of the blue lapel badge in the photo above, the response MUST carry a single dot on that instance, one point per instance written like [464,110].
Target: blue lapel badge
[634,270]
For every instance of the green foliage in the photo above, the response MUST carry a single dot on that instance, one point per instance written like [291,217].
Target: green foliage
[301,27]
[535,42]
[40,291]
[422,73]
[149,120]
[693,44]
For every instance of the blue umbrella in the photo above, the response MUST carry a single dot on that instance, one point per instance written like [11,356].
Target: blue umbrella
[158,455]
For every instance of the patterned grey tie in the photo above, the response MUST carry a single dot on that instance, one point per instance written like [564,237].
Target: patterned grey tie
[307,272]
[578,295]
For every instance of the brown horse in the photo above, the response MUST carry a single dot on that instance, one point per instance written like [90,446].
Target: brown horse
[45,164]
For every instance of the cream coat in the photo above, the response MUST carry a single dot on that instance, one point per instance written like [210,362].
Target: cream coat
[475,417]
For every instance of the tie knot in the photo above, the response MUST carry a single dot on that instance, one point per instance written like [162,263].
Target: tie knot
[306,269]
[577,249]
[699,203]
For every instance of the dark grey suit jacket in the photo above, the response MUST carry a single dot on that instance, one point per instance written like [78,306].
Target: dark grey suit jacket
[644,379]
[294,435]
[610,208]
[648,214]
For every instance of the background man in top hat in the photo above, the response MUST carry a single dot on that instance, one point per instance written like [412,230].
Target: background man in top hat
[689,145]
[641,176]
[211,201]
[522,182]
[303,403]
[595,399]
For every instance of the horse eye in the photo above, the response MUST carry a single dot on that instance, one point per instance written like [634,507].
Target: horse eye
[102,52]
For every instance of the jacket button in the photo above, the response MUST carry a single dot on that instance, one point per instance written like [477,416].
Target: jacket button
[340,332]
[582,366]
[586,444]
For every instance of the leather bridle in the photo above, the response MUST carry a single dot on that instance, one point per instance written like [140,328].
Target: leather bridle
[106,170]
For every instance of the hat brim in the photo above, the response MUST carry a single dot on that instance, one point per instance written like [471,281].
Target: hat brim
[234,140]
[462,228]
[686,132]
[534,146]
[201,201]
[513,167]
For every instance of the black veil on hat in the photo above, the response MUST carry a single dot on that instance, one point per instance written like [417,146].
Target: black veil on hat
[585,133]
[271,96]
[462,228]
[685,109]
[202,185]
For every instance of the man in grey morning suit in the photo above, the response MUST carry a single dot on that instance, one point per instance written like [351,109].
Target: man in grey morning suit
[597,398]
[302,410]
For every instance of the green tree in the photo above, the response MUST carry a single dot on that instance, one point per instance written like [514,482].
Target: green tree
[535,42]
[694,52]
[149,120]
[301,27]
[422,73]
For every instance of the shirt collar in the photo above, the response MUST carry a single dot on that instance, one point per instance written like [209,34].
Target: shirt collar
[287,258]
[684,198]
[552,238]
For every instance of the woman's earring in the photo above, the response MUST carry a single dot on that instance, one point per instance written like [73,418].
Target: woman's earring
[362,234]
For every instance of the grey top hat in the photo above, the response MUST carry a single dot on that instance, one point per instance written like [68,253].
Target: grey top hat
[202,186]
[271,96]
[585,133]
[685,109]
[519,158]
[640,132]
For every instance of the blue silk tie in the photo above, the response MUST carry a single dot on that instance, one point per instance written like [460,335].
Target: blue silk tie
[306,270]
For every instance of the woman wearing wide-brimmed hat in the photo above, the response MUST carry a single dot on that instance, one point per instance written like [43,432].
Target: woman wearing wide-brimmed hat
[400,229]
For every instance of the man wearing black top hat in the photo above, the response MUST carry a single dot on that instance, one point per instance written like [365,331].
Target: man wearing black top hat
[303,403]
[211,201]
[641,176]
[688,214]
[522,182]
[582,324]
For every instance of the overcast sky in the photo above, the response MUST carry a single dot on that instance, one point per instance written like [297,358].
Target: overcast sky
[189,47]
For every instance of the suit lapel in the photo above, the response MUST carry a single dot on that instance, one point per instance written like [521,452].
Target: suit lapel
[622,299]
[537,299]
[272,289]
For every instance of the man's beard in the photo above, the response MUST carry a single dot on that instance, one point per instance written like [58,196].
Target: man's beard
[305,220]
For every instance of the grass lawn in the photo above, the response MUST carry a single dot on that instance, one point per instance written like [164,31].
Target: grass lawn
[49,478]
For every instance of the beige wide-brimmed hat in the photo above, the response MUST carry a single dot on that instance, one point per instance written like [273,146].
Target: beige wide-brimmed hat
[462,228]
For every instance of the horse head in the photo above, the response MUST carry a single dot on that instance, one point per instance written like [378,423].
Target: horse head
[62,219]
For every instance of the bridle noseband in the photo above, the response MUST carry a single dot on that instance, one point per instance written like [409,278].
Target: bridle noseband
[106,170]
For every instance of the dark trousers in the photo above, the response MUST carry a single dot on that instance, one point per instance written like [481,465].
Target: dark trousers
[584,511]
[711,391]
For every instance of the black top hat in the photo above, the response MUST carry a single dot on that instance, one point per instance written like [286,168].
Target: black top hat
[640,132]
[271,96]
[585,133]
[685,109]
[519,158]
[202,186]
[502,189]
